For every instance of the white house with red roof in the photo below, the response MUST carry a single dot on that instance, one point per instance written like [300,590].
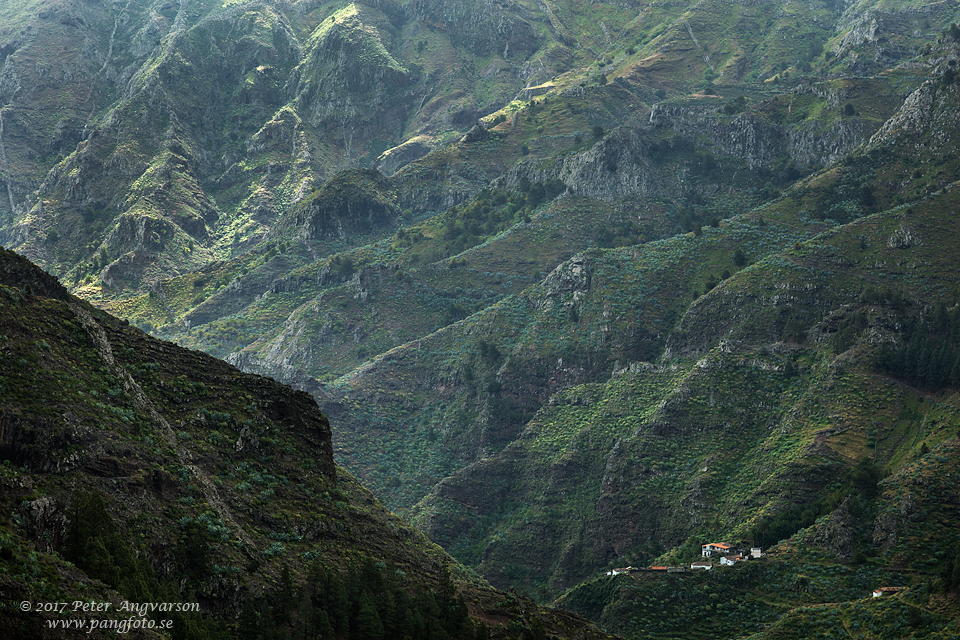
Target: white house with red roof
[715,548]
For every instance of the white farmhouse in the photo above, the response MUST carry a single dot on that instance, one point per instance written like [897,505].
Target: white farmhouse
[714,548]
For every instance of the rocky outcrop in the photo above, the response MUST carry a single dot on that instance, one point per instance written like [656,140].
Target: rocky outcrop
[17,271]
[658,161]
[761,143]
[876,37]
[839,535]
[349,84]
[923,120]
[616,166]
[745,135]
[392,160]
[567,285]
[354,203]
[287,374]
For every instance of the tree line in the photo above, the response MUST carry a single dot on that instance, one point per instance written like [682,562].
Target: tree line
[365,603]
[930,354]
[368,601]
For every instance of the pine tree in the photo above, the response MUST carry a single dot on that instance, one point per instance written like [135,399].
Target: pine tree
[304,619]
[285,598]
[387,609]
[911,357]
[926,365]
[88,519]
[411,624]
[367,625]
[323,627]
[248,626]
[539,632]
[941,319]
[194,550]
[954,580]
[339,606]
[98,562]
[944,360]
[955,372]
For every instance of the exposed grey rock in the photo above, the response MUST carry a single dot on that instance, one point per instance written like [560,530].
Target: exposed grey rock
[392,160]
[904,237]
[838,534]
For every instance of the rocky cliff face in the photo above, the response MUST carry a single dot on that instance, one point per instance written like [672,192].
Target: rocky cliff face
[349,86]
[665,157]
[483,27]
[877,37]
[392,160]
[922,119]
[355,203]
[763,142]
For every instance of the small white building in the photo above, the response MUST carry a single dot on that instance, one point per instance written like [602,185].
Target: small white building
[701,566]
[731,560]
[756,552]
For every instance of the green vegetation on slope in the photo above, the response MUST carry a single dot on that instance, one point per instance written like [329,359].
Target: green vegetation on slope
[136,469]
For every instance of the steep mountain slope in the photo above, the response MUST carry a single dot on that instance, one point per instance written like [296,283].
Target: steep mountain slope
[371,299]
[758,374]
[723,430]
[655,296]
[696,148]
[166,475]
[768,397]
[155,137]
[497,368]
[629,178]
